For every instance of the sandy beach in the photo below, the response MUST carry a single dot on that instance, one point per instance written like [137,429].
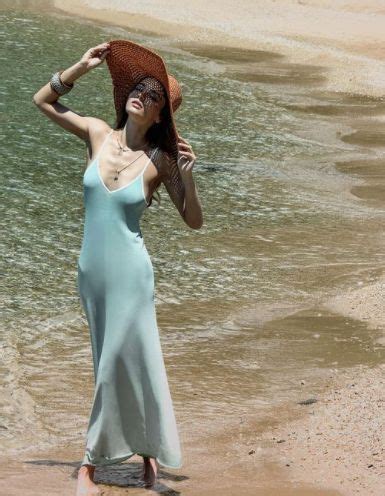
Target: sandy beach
[330,444]
[333,445]
[340,443]
[344,38]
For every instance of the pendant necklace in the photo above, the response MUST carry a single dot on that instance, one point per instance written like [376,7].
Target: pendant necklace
[121,149]
[117,172]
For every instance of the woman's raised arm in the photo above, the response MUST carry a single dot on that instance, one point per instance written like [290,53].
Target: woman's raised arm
[46,98]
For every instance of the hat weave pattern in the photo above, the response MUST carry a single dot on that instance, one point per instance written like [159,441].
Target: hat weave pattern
[128,64]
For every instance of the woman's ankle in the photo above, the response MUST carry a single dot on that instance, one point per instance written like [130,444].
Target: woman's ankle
[87,470]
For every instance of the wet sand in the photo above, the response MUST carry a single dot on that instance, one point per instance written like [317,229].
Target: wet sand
[364,303]
[341,41]
[341,441]
[333,446]
[372,173]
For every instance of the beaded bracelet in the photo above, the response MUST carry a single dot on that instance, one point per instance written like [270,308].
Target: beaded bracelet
[57,84]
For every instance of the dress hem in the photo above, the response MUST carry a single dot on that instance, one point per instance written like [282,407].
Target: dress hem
[113,461]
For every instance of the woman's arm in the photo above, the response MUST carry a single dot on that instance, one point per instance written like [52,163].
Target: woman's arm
[192,213]
[191,209]
[46,98]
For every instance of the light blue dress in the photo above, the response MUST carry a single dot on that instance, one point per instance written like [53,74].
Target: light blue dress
[132,410]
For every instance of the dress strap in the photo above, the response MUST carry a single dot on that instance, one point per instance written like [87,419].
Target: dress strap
[104,142]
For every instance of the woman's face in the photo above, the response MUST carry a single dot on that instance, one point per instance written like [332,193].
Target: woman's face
[146,100]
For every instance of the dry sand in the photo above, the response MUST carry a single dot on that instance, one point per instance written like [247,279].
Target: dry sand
[366,303]
[340,443]
[337,443]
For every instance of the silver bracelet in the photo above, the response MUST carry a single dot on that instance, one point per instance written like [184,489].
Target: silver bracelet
[57,84]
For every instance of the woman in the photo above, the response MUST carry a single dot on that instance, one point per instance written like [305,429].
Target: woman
[132,411]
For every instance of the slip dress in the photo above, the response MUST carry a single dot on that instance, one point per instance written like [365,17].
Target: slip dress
[132,410]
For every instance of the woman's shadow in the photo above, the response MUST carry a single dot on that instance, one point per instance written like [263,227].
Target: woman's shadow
[121,475]
[126,475]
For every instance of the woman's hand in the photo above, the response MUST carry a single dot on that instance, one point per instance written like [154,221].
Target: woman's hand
[95,56]
[186,157]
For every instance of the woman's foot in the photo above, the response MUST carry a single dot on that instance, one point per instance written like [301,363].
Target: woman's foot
[150,471]
[86,485]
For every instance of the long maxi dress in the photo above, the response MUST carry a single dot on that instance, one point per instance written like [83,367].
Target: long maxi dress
[132,410]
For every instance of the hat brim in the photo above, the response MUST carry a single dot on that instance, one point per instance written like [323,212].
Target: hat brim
[128,63]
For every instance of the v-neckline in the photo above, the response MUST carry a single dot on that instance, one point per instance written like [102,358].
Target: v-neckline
[122,187]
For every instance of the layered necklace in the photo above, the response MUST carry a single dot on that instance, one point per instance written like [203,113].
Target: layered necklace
[121,150]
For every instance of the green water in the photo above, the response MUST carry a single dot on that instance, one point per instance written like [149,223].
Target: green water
[279,226]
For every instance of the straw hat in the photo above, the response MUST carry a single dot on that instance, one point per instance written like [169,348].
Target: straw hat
[128,63]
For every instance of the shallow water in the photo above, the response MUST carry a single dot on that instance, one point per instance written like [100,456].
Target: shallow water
[283,229]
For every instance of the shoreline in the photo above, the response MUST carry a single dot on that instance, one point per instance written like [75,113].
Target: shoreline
[338,403]
[338,442]
[333,447]
[305,33]
[366,304]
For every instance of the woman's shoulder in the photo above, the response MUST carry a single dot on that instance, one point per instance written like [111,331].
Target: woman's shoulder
[98,130]
[97,125]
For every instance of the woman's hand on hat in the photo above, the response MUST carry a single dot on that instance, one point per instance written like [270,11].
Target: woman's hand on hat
[186,157]
[94,56]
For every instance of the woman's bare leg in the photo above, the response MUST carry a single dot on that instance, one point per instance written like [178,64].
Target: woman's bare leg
[86,485]
[150,471]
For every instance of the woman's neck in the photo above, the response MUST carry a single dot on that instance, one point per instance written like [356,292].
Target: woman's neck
[133,137]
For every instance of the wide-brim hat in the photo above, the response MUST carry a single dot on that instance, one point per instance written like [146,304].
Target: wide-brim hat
[128,63]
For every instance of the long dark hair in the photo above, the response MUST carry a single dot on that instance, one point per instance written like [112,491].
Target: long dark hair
[158,135]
